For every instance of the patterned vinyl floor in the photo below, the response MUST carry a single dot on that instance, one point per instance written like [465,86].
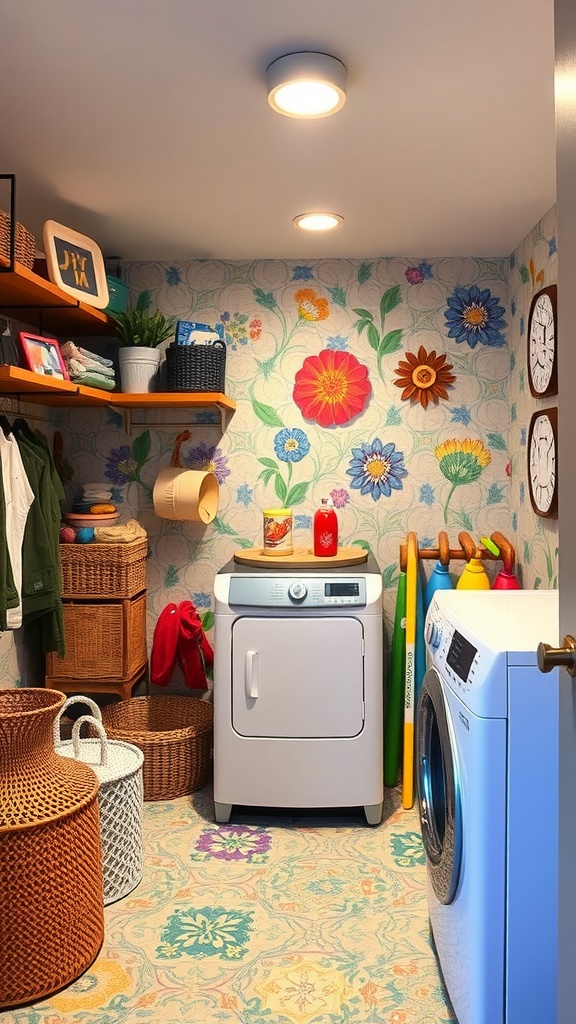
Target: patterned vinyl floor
[268,920]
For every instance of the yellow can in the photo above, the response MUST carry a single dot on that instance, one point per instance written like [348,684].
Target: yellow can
[277,531]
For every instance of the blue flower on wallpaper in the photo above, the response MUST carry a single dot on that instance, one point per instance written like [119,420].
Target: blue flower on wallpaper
[208,931]
[522,326]
[209,459]
[523,437]
[461,415]
[552,250]
[407,849]
[514,521]
[116,496]
[302,273]
[244,495]
[427,495]
[202,599]
[427,542]
[206,417]
[303,522]
[337,342]
[522,492]
[115,418]
[291,444]
[475,316]
[377,469]
[173,276]
[224,317]
[121,465]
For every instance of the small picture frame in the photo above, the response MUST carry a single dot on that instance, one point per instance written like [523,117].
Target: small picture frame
[42,355]
[75,264]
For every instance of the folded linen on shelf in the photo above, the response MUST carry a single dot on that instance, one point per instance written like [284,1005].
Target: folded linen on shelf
[94,380]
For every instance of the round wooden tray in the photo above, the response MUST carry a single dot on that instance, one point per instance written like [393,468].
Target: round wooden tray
[301,558]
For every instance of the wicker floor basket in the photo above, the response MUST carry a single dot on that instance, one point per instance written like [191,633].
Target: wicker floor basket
[196,367]
[51,907]
[24,243]
[175,735]
[118,767]
[103,570]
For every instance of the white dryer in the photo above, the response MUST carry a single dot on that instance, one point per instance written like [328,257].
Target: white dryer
[487,774]
[298,684]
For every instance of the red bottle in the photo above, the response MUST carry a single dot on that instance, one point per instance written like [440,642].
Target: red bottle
[325,530]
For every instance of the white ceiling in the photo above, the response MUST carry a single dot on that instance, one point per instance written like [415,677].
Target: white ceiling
[144,124]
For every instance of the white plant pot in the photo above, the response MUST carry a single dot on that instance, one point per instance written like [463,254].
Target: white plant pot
[139,369]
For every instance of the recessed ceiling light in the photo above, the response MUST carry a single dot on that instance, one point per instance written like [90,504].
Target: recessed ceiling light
[306,84]
[318,221]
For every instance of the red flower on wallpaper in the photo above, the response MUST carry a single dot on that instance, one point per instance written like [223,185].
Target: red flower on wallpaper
[331,388]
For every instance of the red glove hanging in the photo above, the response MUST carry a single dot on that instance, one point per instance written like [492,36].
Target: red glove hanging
[179,634]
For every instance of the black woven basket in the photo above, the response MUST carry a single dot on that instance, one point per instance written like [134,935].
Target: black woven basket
[196,367]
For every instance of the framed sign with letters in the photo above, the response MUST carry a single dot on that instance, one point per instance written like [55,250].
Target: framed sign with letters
[75,263]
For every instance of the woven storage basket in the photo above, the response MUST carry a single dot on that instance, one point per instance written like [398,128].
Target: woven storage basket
[197,367]
[118,767]
[175,735]
[103,641]
[103,570]
[24,244]
[51,907]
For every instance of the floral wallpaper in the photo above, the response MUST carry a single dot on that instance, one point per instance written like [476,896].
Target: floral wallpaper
[533,265]
[395,386]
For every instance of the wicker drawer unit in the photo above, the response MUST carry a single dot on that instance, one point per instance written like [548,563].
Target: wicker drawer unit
[105,647]
[103,570]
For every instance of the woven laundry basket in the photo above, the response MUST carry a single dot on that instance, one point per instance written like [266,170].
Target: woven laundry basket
[175,735]
[118,767]
[51,907]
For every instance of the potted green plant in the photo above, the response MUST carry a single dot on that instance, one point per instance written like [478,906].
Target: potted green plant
[140,332]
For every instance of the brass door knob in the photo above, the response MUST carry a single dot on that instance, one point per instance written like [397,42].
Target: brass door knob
[556,657]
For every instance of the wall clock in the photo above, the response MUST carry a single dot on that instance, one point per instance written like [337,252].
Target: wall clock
[543,462]
[542,349]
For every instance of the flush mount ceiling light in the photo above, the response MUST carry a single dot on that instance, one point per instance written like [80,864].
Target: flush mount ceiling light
[306,84]
[318,221]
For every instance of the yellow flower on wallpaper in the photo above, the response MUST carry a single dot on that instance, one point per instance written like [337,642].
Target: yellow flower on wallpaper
[461,462]
[310,305]
[94,990]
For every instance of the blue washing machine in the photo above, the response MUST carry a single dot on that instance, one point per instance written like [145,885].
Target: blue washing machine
[487,777]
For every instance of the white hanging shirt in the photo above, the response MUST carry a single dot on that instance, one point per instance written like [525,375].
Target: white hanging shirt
[18,496]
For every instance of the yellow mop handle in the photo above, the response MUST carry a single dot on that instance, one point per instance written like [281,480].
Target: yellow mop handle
[410,678]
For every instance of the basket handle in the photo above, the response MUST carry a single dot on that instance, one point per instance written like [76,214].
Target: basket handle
[101,735]
[78,699]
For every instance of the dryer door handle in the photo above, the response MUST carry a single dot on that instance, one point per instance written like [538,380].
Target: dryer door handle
[251,674]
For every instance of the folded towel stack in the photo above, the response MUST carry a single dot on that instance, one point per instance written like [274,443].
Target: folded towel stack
[88,367]
[95,500]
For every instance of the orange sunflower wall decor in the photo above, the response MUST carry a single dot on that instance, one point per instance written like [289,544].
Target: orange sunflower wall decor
[424,377]
[331,388]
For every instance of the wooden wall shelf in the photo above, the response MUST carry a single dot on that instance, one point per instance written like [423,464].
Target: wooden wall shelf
[27,297]
[33,387]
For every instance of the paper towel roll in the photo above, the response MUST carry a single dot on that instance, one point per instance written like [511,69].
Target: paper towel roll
[185,494]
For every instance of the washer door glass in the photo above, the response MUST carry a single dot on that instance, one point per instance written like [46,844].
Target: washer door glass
[438,789]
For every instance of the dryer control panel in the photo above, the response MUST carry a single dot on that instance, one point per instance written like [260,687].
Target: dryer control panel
[297,591]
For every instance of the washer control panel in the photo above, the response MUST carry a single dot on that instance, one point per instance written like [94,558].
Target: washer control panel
[451,652]
[297,592]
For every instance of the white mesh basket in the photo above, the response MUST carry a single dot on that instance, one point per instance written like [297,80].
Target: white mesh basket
[118,766]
